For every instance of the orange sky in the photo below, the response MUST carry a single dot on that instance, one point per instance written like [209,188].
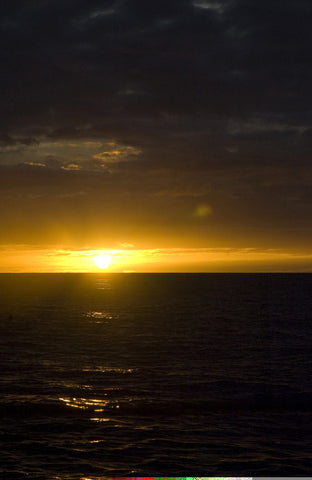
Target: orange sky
[22,259]
[164,126]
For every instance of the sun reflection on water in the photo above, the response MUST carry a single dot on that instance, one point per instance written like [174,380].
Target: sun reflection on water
[100,317]
[88,403]
[101,369]
[101,419]
[103,284]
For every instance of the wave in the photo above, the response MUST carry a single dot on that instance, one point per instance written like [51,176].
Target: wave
[71,406]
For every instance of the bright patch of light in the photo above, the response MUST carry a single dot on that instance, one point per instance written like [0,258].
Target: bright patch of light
[208,5]
[102,261]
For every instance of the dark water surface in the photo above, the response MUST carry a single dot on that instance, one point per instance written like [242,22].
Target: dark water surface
[155,374]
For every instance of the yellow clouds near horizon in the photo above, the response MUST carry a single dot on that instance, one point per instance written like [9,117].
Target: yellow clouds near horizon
[121,153]
[67,155]
[23,259]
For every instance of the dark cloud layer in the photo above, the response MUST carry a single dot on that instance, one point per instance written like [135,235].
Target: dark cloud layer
[204,102]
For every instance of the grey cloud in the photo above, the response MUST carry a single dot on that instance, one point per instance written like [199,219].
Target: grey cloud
[189,67]
[216,96]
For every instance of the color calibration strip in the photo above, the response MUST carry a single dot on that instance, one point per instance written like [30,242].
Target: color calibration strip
[201,478]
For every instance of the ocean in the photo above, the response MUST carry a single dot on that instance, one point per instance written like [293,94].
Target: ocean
[155,374]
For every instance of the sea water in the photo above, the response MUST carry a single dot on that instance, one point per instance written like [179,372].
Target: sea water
[155,374]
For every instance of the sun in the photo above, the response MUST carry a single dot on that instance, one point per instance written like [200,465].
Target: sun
[102,261]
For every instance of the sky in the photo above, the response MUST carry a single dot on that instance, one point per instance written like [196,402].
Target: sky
[173,134]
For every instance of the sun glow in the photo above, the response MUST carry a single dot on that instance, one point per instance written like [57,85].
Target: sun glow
[31,259]
[102,261]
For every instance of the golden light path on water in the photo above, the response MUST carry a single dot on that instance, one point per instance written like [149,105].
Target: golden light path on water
[96,406]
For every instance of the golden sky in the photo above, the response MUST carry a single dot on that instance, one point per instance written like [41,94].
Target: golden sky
[172,137]
[23,259]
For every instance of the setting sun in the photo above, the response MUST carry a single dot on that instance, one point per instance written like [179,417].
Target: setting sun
[102,261]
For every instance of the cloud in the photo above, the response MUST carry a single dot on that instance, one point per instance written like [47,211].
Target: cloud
[188,61]
[117,154]
[35,164]
[213,5]
[153,109]
[72,166]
